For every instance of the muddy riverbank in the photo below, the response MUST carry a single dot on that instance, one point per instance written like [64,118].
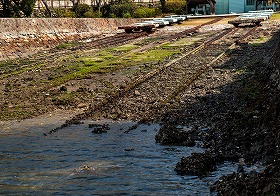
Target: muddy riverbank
[231,109]
[21,37]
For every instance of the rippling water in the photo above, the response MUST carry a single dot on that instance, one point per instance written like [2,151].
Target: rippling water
[74,161]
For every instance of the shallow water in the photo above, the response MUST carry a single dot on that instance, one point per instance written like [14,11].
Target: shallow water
[75,161]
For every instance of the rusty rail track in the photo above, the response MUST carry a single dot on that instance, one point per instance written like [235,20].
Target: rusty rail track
[124,37]
[191,72]
[243,37]
[101,43]
[194,29]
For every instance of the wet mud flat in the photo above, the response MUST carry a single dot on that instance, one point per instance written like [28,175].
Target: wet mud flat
[232,109]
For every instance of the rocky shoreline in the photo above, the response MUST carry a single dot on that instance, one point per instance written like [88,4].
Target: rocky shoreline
[242,123]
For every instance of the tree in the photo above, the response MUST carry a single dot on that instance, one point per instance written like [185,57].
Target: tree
[16,8]
[163,5]
[75,5]
[27,6]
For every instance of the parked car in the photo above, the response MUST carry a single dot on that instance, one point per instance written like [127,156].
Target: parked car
[179,18]
[170,20]
[151,22]
[162,22]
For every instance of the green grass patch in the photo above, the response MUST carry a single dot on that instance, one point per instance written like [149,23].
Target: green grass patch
[123,48]
[17,113]
[107,55]
[104,62]
[20,70]
[91,61]
[259,41]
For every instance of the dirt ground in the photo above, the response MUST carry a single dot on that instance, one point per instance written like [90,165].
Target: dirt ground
[231,107]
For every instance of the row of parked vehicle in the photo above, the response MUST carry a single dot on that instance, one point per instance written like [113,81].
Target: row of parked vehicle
[166,20]
[252,17]
[263,14]
[150,25]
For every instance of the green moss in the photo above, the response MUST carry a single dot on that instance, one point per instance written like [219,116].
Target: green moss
[259,41]
[22,70]
[91,61]
[107,55]
[17,113]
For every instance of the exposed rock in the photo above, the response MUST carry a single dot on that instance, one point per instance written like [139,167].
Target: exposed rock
[263,183]
[99,128]
[63,88]
[170,135]
[198,164]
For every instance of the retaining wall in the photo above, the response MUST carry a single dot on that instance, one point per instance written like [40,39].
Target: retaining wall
[24,36]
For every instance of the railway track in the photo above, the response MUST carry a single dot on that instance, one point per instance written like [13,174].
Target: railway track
[99,43]
[155,89]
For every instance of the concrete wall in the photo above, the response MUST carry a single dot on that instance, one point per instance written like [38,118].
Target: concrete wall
[23,36]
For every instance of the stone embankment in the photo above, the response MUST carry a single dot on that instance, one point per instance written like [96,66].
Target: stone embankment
[21,37]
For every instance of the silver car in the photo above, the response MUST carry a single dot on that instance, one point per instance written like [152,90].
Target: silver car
[170,20]
[162,22]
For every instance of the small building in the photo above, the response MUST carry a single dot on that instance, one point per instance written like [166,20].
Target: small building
[202,7]
[198,7]
[241,6]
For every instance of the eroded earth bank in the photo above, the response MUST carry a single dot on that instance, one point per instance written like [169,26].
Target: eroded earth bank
[227,95]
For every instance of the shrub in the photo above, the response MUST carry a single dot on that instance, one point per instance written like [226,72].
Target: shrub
[82,9]
[145,12]
[92,14]
[64,13]
[127,15]
[112,15]
[122,9]
[139,13]
[177,7]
